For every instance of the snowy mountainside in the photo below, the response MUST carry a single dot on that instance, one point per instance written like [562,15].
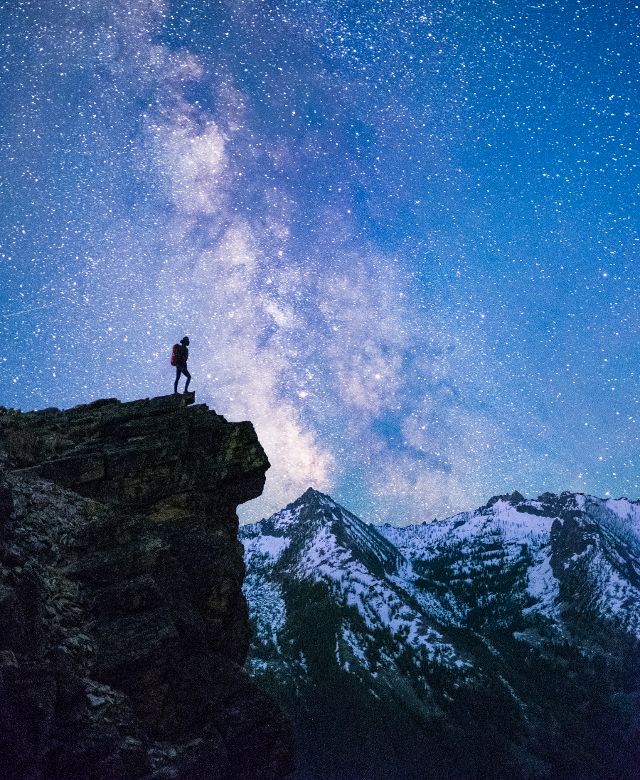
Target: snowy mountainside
[560,542]
[488,637]
[318,542]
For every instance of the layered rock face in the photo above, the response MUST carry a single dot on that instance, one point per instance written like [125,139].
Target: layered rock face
[123,628]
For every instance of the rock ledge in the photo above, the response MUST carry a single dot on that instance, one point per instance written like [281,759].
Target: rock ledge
[123,628]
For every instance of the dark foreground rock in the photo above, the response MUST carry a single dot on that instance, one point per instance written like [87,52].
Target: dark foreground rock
[123,628]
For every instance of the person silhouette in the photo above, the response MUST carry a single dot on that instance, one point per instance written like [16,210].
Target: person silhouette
[179,359]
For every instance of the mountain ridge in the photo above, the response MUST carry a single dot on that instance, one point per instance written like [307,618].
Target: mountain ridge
[473,638]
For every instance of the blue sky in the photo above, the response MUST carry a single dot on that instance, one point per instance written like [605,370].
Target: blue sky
[402,237]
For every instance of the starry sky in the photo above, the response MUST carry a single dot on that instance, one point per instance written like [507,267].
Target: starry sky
[402,236]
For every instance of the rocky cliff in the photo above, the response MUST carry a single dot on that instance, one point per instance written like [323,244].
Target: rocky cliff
[123,628]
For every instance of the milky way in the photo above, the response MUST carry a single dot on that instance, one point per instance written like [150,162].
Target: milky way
[402,237]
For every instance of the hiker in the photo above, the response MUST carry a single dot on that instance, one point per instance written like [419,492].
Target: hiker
[179,358]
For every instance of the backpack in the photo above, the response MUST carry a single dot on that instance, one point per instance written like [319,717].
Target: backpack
[175,355]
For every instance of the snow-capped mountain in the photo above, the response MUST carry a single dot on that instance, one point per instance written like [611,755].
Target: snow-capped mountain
[502,642]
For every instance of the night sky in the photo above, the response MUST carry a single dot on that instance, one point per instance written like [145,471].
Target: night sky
[403,237]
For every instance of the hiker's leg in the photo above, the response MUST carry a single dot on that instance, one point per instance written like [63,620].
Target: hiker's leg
[188,375]
[175,384]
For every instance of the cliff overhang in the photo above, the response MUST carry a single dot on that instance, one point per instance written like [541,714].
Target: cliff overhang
[123,628]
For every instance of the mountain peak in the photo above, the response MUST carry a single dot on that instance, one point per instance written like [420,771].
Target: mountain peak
[312,494]
[311,503]
[315,520]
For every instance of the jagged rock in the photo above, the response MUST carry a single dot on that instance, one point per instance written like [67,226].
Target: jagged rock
[512,498]
[123,627]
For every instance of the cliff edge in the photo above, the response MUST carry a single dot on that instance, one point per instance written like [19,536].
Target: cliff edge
[123,628]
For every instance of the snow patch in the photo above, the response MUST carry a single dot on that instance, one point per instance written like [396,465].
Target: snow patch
[543,586]
[267,608]
[268,547]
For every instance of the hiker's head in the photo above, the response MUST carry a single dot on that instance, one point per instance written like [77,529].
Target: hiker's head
[185,341]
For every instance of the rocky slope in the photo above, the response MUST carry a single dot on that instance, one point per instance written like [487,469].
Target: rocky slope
[499,643]
[123,628]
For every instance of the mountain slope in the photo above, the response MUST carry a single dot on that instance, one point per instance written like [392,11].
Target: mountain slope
[496,643]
